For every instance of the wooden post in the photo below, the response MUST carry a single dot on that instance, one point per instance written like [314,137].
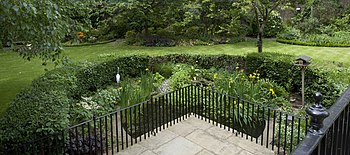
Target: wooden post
[302,85]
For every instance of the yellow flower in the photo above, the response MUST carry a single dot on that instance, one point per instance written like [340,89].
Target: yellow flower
[139,81]
[234,102]
[251,76]
[231,80]
[272,91]
[215,75]
[146,69]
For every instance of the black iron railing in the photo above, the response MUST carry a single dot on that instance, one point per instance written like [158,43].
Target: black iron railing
[334,137]
[113,132]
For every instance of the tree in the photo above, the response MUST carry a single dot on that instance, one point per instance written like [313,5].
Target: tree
[262,10]
[36,28]
[151,13]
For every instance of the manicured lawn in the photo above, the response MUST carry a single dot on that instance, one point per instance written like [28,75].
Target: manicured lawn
[17,73]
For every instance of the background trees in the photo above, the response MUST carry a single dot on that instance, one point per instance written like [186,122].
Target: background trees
[38,28]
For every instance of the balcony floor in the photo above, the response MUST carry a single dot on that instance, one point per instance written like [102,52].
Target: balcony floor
[194,136]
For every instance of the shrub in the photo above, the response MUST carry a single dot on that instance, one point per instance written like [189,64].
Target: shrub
[131,38]
[328,38]
[290,34]
[280,68]
[274,26]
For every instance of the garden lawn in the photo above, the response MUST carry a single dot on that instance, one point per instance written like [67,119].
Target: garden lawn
[17,73]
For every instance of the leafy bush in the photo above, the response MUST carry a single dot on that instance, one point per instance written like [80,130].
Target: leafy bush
[290,34]
[132,38]
[275,25]
[180,79]
[328,38]
[280,68]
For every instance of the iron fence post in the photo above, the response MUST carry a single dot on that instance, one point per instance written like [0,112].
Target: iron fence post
[318,113]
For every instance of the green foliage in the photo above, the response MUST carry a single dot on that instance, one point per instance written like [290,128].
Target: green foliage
[165,69]
[287,134]
[136,92]
[320,22]
[251,88]
[55,98]
[54,101]
[273,27]
[182,76]
[290,34]
[36,28]
[41,109]
[280,68]
[334,39]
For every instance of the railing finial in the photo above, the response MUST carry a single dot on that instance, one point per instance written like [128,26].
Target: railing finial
[318,98]
[318,113]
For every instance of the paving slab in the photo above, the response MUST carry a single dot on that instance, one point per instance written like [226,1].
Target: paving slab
[211,143]
[249,146]
[205,152]
[219,133]
[182,129]
[178,146]
[133,150]
[148,152]
[158,140]
[197,123]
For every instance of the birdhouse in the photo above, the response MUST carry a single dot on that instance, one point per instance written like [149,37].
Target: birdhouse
[302,61]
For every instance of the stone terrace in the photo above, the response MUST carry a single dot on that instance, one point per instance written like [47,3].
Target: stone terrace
[196,137]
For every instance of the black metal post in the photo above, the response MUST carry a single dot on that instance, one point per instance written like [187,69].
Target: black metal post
[318,113]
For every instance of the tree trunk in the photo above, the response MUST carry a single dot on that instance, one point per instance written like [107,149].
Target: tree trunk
[260,41]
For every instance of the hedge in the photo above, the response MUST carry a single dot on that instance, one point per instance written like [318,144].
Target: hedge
[297,42]
[88,44]
[43,108]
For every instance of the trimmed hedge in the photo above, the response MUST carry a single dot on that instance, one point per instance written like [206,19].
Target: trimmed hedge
[88,44]
[43,108]
[297,42]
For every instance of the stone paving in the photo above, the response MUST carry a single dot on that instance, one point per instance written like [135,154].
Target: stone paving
[196,137]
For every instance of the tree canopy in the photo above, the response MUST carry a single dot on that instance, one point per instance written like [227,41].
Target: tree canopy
[38,28]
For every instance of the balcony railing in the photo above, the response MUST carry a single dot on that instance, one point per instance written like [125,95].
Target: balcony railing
[334,137]
[113,132]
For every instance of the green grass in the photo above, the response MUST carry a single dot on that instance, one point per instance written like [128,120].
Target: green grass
[17,73]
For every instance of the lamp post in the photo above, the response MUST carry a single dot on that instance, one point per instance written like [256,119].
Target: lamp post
[302,62]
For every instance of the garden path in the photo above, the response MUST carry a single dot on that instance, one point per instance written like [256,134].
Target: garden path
[194,136]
